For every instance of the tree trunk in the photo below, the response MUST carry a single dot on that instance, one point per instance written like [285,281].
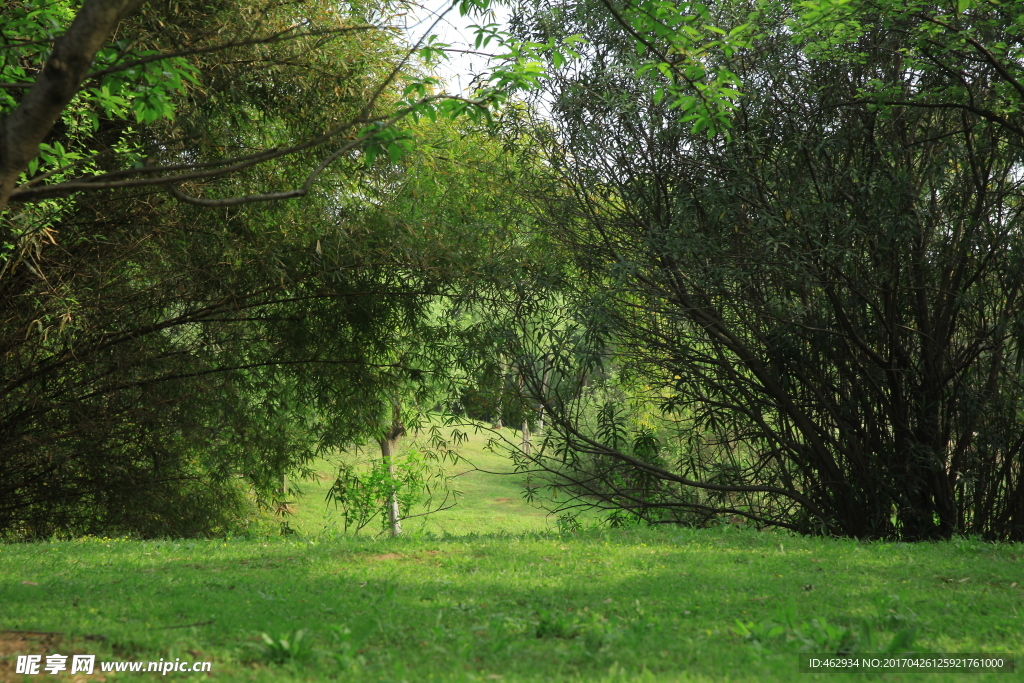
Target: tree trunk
[526,422]
[543,395]
[498,422]
[388,444]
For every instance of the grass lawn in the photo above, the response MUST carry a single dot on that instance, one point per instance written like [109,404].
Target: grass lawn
[613,605]
[488,503]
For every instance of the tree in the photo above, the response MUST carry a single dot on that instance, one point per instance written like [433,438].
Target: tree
[451,208]
[824,303]
[154,351]
[52,80]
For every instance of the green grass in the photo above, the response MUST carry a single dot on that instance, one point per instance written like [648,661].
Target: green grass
[617,605]
[488,503]
[601,605]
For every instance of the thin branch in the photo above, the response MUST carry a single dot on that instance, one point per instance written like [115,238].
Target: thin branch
[278,37]
[658,53]
[989,57]
[197,623]
[312,177]
[983,113]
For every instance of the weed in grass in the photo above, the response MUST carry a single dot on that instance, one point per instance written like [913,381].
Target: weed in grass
[892,614]
[783,631]
[600,633]
[553,625]
[293,646]
[344,648]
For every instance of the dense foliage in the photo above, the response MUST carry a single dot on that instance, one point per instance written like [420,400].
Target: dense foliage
[824,303]
[161,361]
[751,260]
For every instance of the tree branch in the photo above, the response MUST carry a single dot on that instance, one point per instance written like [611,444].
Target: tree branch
[278,37]
[27,126]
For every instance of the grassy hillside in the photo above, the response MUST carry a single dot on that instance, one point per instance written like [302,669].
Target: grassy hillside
[484,598]
[488,503]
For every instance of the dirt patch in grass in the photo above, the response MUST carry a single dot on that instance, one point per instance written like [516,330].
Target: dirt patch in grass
[385,556]
[417,557]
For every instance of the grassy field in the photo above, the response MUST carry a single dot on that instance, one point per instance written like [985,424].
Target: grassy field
[488,503]
[505,599]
